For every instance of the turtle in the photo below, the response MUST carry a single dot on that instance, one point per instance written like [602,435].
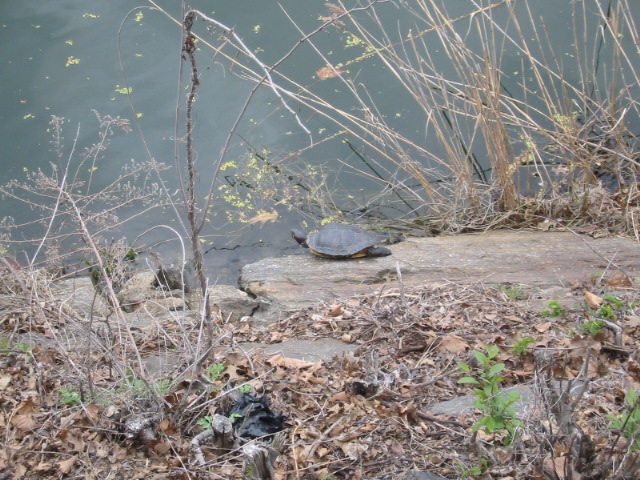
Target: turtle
[337,240]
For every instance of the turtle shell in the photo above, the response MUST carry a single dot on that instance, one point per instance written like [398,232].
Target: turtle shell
[336,240]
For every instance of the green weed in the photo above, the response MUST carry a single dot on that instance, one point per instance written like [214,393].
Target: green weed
[214,371]
[205,422]
[514,292]
[592,327]
[554,309]
[69,396]
[234,417]
[499,415]
[521,345]
[629,422]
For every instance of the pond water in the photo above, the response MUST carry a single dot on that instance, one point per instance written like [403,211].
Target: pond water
[62,58]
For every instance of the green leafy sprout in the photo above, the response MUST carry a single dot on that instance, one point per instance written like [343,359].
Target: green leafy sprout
[234,417]
[554,309]
[521,345]
[205,422]
[500,415]
[69,396]
[214,371]
[592,327]
[613,307]
[628,423]
[514,292]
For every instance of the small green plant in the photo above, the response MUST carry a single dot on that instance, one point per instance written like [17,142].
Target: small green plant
[245,388]
[24,347]
[629,422]
[139,388]
[214,371]
[592,327]
[521,345]
[499,415]
[6,345]
[205,422]
[554,309]
[234,417]
[69,396]
[131,255]
[606,311]
[514,292]
[612,307]
[475,470]
[162,387]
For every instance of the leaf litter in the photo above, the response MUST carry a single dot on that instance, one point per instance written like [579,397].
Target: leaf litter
[364,415]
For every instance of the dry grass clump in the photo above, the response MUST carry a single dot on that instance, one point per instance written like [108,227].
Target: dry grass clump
[497,144]
[546,147]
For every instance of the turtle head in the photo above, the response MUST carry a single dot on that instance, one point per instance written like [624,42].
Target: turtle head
[300,237]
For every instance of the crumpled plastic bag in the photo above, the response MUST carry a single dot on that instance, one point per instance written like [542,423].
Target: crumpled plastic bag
[258,420]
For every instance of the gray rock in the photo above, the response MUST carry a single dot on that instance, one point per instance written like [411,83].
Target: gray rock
[416,475]
[234,303]
[137,290]
[80,294]
[537,259]
[172,278]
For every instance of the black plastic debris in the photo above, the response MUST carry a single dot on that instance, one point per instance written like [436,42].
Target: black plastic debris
[252,417]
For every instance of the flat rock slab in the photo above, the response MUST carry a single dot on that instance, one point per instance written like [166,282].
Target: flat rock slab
[323,349]
[537,259]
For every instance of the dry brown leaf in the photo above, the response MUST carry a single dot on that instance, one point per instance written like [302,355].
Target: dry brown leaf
[543,327]
[264,217]
[279,361]
[632,321]
[353,450]
[321,452]
[93,411]
[24,423]
[162,447]
[5,380]
[634,369]
[397,449]
[335,9]
[19,471]
[65,465]
[557,466]
[102,451]
[454,344]
[44,467]
[328,72]
[619,279]
[276,337]
[77,442]
[308,377]
[594,301]
[335,310]
[339,397]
